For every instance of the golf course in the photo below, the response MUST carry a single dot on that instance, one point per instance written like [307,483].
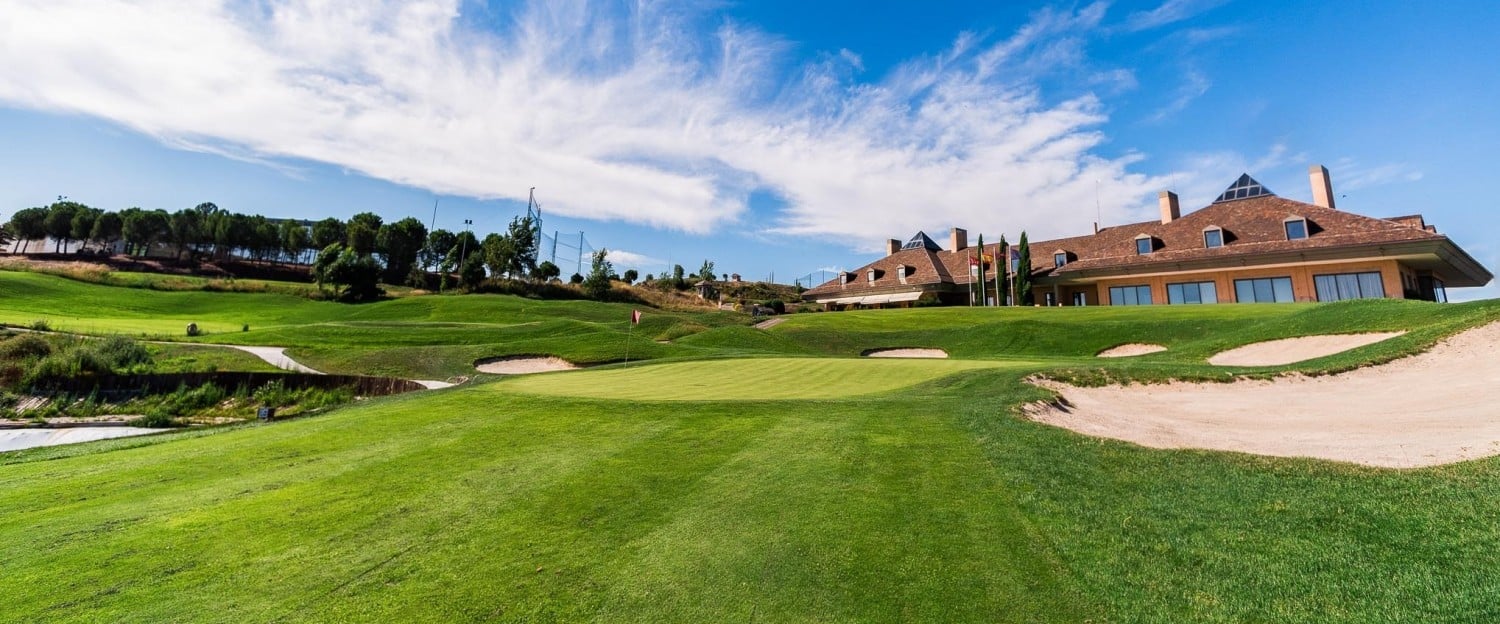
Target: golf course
[728,473]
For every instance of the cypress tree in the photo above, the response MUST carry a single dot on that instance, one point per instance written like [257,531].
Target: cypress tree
[1023,272]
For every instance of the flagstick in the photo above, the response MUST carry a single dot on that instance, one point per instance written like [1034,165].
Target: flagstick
[628,333]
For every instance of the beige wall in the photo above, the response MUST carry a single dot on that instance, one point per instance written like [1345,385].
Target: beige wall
[1303,287]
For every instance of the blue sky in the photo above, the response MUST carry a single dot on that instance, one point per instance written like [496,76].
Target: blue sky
[771,136]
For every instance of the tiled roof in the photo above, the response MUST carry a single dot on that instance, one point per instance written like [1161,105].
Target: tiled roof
[1251,226]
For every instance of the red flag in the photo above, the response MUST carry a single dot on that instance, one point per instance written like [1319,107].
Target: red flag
[635,317]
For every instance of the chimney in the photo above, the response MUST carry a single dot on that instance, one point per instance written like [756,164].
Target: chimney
[892,246]
[958,240]
[1322,186]
[1170,211]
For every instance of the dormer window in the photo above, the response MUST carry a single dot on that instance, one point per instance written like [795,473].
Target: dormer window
[1213,236]
[873,276]
[1060,258]
[1296,228]
[1144,245]
[901,273]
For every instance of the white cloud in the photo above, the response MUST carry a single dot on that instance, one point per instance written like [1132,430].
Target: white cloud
[613,111]
[1194,85]
[1353,176]
[1168,12]
[622,260]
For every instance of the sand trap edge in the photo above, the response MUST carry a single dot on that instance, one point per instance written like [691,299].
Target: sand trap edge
[906,352]
[1284,351]
[523,364]
[1130,349]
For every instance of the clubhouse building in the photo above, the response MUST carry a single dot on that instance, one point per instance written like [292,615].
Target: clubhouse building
[1248,246]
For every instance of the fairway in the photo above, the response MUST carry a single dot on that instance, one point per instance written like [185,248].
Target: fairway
[748,475]
[747,379]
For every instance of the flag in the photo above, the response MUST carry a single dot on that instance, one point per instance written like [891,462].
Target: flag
[1015,260]
[635,317]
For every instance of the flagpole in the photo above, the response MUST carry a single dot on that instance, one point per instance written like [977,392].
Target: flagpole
[628,334]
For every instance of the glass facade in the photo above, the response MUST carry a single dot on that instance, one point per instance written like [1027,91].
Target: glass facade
[1343,286]
[1129,295]
[1192,292]
[1264,290]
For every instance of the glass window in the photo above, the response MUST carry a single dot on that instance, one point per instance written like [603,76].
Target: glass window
[1192,293]
[1059,259]
[1213,238]
[1439,291]
[1264,290]
[1341,286]
[1143,246]
[1130,295]
[1296,229]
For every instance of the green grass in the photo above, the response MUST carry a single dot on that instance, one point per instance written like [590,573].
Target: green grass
[745,379]
[744,478]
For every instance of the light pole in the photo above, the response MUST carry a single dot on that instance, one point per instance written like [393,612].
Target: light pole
[463,250]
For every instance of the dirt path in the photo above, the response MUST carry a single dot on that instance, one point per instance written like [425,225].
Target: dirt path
[1435,408]
[771,323]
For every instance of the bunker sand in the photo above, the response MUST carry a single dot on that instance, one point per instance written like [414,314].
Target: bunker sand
[1131,350]
[523,365]
[1435,408]
[907,353]
[1292,350]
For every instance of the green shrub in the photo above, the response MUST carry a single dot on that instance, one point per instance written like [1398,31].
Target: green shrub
[121,352]
[25,346]
[186,401]
[155,420]
[40,325]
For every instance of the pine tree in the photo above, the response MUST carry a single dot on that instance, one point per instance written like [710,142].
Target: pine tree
[1002,258]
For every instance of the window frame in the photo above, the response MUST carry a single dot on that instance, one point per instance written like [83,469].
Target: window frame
[1335,285]
[1271,284]
[1197,286]
[1059,259]
[1150,245]
[1117,295]
[1215,230]
[1287,232]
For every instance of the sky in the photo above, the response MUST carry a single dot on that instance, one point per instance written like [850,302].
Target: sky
[776,138]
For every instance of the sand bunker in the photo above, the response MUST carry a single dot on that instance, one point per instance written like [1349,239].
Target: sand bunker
[1131,350]
[1292,350]
[523,365]
[906,353]
[1434,408]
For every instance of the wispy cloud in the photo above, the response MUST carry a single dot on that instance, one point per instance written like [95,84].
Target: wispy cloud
[1194,85]
[1352,176]
[640,112]
[1169,12]
[623,259]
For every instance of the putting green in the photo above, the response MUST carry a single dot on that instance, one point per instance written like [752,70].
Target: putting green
[747,379]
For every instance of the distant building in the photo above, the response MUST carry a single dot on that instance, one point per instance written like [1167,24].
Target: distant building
[1248,246]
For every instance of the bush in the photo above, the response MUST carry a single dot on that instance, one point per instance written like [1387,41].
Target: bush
[25,346]
[40,325]
[120,352]
[576,279]
[776,304]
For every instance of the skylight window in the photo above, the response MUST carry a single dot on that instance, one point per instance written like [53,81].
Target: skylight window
[1144,245]
[1296,229]
[1213,237]
[1243,188]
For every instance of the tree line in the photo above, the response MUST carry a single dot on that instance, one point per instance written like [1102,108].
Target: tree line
[357,254]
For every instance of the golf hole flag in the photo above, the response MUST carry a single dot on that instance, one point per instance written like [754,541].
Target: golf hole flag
[635,317]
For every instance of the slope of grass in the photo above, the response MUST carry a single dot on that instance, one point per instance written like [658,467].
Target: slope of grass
[745,379]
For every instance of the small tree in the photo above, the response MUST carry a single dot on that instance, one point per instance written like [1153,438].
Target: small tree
[294,239]
[499,254]
[401,243]
[83,222]
[106,229]
[706,272]
[649,279]
[358,274]
[596,285]
[547,271]
[327,232]
[439,243]
[1023,272]
[59,223]
[522,235]
[471,274]
[1002,273]
[576,279]
[29,224]
[363,232]
[630,276]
